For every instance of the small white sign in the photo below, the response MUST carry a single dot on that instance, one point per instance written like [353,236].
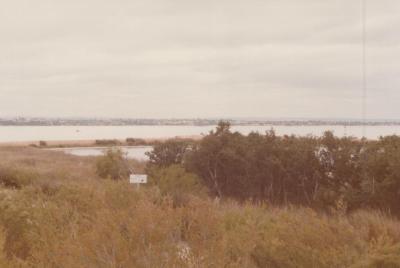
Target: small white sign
[138,178]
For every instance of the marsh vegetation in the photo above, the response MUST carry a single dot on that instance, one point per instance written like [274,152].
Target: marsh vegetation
[228,200]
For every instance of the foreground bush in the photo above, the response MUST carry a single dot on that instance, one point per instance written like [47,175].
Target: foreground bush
[112,165]
[176,182]
[11,177]
[112,224]
[174,179]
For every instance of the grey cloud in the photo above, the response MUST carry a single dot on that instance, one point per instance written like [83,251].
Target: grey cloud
[196,58]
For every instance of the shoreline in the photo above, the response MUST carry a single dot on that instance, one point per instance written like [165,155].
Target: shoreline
[91,142]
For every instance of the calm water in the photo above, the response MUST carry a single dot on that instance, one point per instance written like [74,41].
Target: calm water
[134,152]
[35,133]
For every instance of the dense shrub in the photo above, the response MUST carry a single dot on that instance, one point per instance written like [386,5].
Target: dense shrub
[329,173]
[174,181]
[112,224]
[112,165]
[12,177]
[42,143]
[107,142]
[170,152]
[135,141]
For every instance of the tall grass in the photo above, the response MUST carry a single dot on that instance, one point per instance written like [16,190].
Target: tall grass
[67,222]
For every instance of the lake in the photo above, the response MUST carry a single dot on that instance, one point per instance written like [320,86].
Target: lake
[65,133]
[133,152]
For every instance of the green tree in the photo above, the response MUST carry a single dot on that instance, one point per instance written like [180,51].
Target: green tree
[170,152]
[381,179]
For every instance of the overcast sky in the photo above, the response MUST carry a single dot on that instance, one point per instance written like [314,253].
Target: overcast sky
[191,58]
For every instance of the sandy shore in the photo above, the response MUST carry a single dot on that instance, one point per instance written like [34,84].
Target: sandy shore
[85,143]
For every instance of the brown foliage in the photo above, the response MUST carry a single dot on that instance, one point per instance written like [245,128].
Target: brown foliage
[58,220]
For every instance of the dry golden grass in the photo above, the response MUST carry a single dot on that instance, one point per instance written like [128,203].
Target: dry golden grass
[80,220]
[54,164]
[48,163]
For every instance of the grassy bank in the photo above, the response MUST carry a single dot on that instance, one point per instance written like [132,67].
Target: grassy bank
[93,143]
[56,212]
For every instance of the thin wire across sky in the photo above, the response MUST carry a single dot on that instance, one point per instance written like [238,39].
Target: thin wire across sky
[364,65]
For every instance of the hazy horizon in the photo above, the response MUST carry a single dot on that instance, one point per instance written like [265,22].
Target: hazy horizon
[207,118]
[198,59]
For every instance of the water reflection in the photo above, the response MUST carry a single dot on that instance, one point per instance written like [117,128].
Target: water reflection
[132,152]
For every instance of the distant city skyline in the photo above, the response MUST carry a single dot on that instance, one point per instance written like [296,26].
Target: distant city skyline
[199,118]
[106,121]
[198,59]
